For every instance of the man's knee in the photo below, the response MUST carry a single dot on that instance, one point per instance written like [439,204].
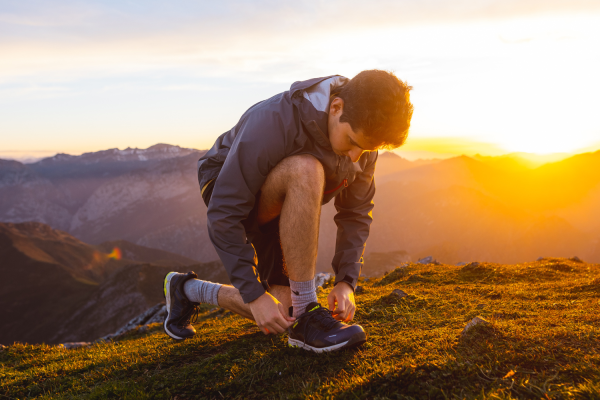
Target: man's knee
[304,170]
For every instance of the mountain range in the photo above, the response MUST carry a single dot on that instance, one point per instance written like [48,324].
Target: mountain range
[499,209]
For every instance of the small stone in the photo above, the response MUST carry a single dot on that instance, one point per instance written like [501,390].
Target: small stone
[576,259]
[399,293]
[319,289]
[480,306]
[75,345]
[460,264]
[358,289]
[321,278]
[474,322]
[426,260]
[143,329]
[540,259]
[367,280]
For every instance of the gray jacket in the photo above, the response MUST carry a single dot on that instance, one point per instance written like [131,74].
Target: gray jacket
[290,123]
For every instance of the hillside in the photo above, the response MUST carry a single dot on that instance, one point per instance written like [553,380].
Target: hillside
[55,287]
[541,342]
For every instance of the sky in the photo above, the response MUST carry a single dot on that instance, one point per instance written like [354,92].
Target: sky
[488,77]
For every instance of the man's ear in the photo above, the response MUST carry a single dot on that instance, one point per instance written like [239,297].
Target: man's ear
[336,106]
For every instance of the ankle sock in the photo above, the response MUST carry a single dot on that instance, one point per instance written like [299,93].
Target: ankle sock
[199,291]
[303,293]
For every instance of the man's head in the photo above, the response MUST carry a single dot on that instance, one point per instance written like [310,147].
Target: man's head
[370,112]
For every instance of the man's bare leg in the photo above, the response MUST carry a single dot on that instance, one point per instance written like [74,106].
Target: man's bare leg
[293,190]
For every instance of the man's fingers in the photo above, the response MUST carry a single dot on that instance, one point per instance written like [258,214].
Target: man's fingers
[331,301]
[345,311]
[351,312]
[284,314]
[263,329]
[277,328]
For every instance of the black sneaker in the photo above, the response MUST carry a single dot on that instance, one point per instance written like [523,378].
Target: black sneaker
[318,331]
[179,309]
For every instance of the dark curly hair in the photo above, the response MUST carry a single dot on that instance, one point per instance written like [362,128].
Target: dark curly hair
[378,104]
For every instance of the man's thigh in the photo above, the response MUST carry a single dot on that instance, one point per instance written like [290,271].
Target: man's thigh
[298,170]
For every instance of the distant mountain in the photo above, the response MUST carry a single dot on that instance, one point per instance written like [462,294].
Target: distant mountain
[40,243]
[135,252]
[147,196]
[527,160]
[389,163]
[463,224]
[48,276]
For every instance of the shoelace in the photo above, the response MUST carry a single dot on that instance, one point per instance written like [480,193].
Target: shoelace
[191,316]
[323,317]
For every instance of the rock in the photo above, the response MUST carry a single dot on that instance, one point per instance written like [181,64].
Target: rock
[576,259]
[319,289]
[151,315]
[480,306]
[321,278]
[471,267]
[75,345]
[540,259]
[460,264]
[474,322]
[399,293]
[366,280]
[159,316]
[428,260]
[358,289]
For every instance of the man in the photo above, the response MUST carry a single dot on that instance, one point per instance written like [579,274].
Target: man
[264,182]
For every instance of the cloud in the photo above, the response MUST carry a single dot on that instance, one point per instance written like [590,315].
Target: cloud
[43,34]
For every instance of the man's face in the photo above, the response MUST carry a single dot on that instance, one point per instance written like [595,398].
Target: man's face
[345,141]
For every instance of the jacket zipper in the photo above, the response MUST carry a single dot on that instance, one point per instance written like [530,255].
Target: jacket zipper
[344,182]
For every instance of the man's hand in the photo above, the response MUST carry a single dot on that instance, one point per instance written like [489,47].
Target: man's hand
[270,315]
[342,297]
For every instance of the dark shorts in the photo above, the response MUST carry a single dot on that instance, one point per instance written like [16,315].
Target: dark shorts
[265,239]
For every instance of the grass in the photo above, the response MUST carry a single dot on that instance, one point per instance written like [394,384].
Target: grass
[543,341]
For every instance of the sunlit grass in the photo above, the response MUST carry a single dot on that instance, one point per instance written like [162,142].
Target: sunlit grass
[543,341]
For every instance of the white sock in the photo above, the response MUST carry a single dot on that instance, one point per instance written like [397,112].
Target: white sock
[303,293]
[199,291]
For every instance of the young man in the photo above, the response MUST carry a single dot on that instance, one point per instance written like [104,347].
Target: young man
[264,182]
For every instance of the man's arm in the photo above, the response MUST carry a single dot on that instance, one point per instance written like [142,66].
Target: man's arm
[353,219]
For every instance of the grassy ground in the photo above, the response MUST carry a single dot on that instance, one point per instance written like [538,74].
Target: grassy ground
[543,341]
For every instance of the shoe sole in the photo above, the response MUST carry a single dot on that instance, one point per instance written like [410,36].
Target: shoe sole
[167,294]
[354,341]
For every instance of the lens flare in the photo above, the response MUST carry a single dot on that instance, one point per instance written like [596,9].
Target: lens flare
[116,254]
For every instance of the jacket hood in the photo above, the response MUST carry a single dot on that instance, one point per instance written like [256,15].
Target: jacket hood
[311,98]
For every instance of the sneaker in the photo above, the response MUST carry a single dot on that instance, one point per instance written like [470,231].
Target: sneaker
[318,331]
[179,309]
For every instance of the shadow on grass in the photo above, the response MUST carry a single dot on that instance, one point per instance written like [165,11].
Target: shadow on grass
[250,365]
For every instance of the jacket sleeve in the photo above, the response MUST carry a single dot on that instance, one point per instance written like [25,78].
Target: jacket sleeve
[354,207]
[259,145]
